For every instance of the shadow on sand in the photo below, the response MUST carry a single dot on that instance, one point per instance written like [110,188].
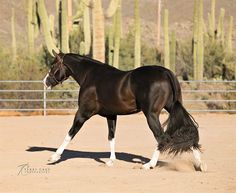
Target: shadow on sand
[97,156]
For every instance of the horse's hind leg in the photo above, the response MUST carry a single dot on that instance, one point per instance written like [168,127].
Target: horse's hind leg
[199,165]
[155,126]
[111,121]
[153,162]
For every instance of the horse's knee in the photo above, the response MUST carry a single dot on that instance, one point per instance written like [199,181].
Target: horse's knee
[73,131]
[155,125]
[111,134]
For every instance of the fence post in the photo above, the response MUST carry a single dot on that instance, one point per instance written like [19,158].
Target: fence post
[44,101]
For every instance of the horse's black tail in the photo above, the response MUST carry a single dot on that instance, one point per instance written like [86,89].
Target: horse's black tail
[182,130]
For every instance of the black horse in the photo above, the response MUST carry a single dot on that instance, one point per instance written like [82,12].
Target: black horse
[107,91]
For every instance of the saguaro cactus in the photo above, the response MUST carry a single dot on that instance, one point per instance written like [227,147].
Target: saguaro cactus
[51,26]
[86,27]
[166,40]
[64,27]
[46,29]
[30,12]
[114,32]
[230,35]
[82,48]
[110,45]
[69,13]
[198,41]
[173,51]
[98,31]
[195,38]
[220,28]
[13,35]
[200,52]
[35,20]
[211,18]
[111,10]
[137,43]
[158,24]
[117,33]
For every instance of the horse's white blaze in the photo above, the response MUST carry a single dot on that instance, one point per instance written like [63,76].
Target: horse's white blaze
[112,147]
[44,82]
[153,162]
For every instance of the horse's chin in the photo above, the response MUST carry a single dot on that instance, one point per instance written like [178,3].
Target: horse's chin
[47,84]
[48,87]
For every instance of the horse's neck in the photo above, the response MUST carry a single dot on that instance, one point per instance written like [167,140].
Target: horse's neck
[78,70]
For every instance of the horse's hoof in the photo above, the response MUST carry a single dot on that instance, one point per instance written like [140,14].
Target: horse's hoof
[147,166]
[202,167]
[54,158]
[110,163]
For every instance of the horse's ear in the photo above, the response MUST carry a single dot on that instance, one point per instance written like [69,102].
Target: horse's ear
[54,53]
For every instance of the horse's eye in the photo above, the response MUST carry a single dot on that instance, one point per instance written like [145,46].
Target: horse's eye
[50,73]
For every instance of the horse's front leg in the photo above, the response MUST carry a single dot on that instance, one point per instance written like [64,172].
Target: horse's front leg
[111,121]
[77,124]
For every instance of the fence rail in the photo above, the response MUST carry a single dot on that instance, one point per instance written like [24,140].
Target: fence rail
[214,99]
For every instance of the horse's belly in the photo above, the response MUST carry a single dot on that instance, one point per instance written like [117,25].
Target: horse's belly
[121,108]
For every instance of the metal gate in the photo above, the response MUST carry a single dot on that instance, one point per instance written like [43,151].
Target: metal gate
[31,96]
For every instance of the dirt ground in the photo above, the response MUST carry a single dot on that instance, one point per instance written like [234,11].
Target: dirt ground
[26,143]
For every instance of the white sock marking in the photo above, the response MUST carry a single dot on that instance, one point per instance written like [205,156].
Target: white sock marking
[57,155]
[153,162]
[112,147]
[197,156]
[198,162]
[63,145]
[155,156]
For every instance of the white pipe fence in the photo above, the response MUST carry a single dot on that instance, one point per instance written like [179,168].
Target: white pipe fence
[200,96]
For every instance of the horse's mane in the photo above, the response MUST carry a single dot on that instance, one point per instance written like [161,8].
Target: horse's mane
[81,58]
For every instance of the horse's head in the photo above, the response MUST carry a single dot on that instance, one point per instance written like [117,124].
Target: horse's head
[58,72]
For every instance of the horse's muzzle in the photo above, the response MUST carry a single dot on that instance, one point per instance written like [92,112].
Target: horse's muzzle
[46,82]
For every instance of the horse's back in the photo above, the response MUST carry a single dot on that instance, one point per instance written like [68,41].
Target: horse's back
[146,76]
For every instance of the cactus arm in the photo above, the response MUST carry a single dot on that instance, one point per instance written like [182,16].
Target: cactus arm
[117,23]
[137,43]
[45,23]
[13,35]
[166,40]
[98,31]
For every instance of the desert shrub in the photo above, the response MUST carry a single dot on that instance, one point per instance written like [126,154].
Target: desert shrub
[7,69]
[216,60]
